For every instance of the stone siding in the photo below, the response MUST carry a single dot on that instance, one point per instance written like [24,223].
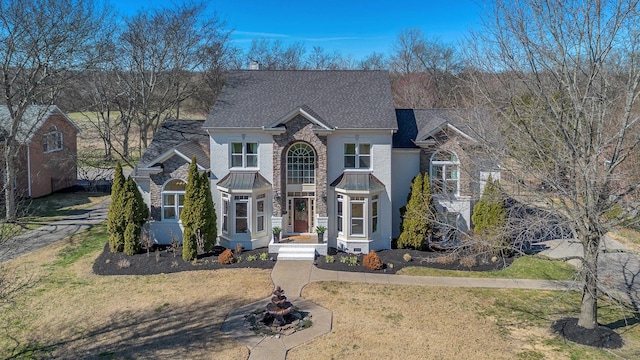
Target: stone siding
[299,129]
[173,168]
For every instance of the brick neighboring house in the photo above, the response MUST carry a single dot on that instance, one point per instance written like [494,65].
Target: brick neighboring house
[47,159]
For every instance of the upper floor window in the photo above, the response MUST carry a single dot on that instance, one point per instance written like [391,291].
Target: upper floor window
[301,162]
[445,173]
[52,141]
[357,156]
[173,199]
[244,154]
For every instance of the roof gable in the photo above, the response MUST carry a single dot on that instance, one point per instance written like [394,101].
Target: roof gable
[33,118]
[421,125]
[345,99]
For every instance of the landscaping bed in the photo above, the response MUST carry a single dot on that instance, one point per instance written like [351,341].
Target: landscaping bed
[162,260]
[394,260]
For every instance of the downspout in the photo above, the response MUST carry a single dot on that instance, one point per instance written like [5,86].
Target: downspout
[29,168]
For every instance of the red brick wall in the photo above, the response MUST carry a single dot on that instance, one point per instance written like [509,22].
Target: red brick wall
[54,170]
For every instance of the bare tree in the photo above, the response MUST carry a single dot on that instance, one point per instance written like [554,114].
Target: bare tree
[44,45]
[563,77]
[162,53]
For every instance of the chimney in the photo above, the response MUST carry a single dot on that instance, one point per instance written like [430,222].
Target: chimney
[255,65]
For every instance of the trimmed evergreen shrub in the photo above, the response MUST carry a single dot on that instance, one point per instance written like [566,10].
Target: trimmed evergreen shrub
[198,215]
[372,261]
[490,215]
[116,222]
[132,239]
[226,257]
[418,216]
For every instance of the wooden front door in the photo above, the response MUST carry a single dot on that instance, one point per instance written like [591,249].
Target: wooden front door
[300,215]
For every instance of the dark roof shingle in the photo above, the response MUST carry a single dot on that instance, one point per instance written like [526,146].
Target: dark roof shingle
[184,135]
[341,99]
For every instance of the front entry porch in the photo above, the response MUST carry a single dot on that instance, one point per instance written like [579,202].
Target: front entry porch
[298,247]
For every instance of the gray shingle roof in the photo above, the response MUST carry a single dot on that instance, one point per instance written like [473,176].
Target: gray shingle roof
[32,120]
[184,135]
[236,180]
[357,182]
[420,124]
[340,99]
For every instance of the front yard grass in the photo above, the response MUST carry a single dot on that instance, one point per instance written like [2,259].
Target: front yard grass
[72,313]
[527,267]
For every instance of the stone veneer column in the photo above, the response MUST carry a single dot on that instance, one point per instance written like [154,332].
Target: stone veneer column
[299,129]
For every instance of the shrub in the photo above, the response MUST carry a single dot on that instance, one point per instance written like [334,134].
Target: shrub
[252,257]
[445,259]
[115,219]
[131,239]
[226,257]
[264,256]
[123,264]
[329,259]
[407,257]
[469,261]
[352,260]
[418,215]
[372,261]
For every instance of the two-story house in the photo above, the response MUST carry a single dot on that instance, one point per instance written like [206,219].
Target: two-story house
[301,149]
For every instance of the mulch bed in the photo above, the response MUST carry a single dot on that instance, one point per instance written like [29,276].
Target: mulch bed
[601,336]
[393,260]
[162,260]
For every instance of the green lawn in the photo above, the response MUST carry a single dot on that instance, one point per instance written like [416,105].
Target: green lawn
[527,267]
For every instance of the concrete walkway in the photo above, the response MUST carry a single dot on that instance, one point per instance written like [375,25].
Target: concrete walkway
[58,230]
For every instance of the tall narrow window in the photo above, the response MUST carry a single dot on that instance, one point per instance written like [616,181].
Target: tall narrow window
[444,173]
[374,214]
[339,213]
[357,156]
[301,164]
[52,141]
[173,199]
[357,216]
[244,154]
[225,213]
[242,210]
[260,212]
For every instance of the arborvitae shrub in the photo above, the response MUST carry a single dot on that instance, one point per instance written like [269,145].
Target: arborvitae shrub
[116,223]
[226,257]
[189,245]
[372,261]
[418,215]
[131,239]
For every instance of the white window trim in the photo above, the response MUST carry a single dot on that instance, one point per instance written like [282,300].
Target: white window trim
[365,225]
[313,166]
[244,155]
[261,215]
[444,164]
[347,199]
[176,195]
[225,212]
[356,156]
[54,137]
[237,199]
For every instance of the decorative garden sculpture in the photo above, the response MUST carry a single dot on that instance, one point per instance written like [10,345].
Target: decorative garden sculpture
[279,307]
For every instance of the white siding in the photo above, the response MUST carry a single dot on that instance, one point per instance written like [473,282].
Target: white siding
[405,166]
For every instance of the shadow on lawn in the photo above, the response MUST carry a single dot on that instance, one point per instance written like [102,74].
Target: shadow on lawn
[167,330]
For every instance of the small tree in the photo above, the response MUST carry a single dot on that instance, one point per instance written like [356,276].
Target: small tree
[419,213]
[189,214]
[209,228]
[135,213]
[115,219]
[490,215]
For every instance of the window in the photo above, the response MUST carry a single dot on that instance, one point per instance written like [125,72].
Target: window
[374,214]
[242,210]
[357,156]
[52,141]
[301,164]
[244,154]
[444,173]
[173,199]
[260,212]
[339,213]
[225,213]
[357,216]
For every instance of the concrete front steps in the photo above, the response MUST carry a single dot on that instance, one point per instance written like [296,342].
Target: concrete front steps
[296,253]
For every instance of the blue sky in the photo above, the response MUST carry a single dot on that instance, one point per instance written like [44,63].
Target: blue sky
[355,28]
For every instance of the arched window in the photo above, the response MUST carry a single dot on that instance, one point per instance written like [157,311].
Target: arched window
[301,162]
[173,199]
[445,173]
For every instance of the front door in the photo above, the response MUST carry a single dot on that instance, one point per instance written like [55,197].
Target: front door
[300,215]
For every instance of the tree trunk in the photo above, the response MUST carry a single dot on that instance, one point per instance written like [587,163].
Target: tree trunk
[10,174]
[589,307]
